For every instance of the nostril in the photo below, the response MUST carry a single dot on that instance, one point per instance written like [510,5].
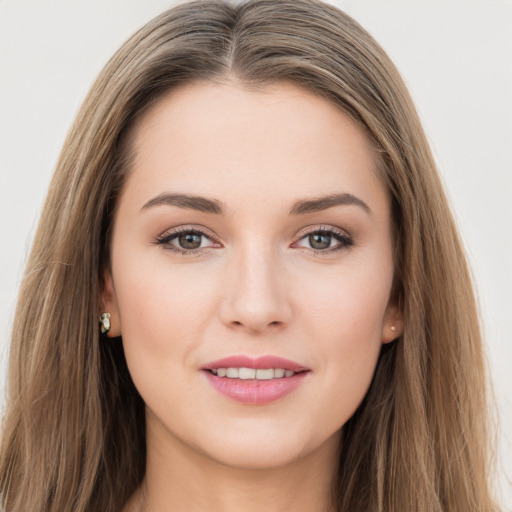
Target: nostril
[273,324]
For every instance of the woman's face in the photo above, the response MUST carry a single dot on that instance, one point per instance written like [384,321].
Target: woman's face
[252,227]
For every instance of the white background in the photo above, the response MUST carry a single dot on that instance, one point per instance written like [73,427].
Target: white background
[456,57]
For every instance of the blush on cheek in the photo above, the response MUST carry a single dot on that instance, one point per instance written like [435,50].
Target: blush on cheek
[161,314]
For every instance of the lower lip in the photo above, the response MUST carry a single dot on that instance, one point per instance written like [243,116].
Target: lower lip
[255,392]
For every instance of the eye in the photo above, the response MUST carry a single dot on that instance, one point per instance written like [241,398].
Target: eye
[324,240]
[186,240]
[189,240]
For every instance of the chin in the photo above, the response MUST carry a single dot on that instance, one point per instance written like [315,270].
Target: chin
[264,448]
[264,458]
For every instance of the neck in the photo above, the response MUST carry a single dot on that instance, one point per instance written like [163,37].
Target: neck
[178,478]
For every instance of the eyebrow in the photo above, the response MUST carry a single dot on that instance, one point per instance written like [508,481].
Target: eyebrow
[201,204]
[302,207]
[323,203]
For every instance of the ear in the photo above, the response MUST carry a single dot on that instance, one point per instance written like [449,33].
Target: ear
[393,326]
[109,305]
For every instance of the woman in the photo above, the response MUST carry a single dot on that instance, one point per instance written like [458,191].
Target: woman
[248,203]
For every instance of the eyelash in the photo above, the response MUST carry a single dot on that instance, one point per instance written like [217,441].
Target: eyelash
[344,239]
[165,240]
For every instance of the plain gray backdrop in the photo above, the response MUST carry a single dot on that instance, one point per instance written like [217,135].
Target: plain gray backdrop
[455,55]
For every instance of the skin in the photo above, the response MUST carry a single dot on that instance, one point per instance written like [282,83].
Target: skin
[254,287]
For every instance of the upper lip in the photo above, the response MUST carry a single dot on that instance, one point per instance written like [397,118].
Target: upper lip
[263,362]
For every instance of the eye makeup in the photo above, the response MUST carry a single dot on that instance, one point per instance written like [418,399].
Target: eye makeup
[191,240]
[324,240]
[187,240]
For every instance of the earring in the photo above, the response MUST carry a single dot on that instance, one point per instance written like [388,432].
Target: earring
[105,323]
[393,328]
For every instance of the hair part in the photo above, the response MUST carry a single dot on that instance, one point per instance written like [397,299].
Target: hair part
[74,431]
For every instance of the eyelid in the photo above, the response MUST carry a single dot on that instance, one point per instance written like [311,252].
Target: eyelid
[185,228]
[323,228]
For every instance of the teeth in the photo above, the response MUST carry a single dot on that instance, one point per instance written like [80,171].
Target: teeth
[232,373]
[246,373]
[251,373]
[265,374]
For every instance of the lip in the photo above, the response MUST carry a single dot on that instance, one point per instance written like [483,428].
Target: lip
[255,392]
[263,362]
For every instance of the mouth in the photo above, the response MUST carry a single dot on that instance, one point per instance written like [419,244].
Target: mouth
[253,373]
[255,381]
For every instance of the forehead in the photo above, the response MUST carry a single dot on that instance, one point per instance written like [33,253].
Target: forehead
[224,140]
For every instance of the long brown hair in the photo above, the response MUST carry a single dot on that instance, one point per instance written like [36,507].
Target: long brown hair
[74,432]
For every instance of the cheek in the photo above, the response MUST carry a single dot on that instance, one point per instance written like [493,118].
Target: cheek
[163,315]
[345,320]
[348,304]
[162,310]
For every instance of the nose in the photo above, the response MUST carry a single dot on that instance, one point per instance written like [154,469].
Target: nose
[256,296]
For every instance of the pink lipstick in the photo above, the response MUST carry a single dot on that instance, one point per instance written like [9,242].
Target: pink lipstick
[255,381]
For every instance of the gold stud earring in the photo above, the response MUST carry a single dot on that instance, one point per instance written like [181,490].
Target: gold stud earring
[105,323]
